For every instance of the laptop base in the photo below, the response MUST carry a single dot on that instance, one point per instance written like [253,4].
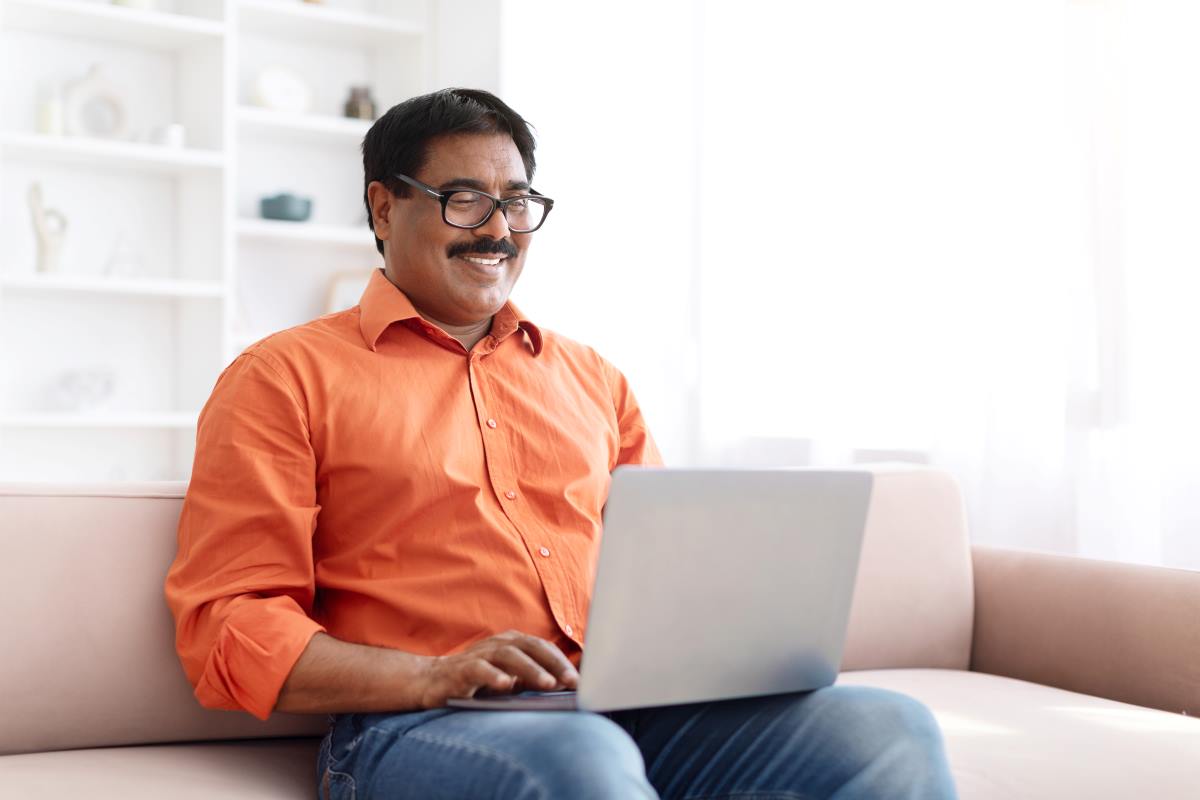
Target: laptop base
[523,701]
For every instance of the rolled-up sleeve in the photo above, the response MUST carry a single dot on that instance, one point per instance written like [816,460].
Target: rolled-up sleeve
[242,585]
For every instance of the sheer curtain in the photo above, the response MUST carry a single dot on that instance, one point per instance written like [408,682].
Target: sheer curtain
[946,232]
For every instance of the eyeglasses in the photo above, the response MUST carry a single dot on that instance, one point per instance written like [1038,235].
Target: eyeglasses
[467,208]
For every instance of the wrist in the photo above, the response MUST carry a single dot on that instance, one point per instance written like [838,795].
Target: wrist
[421,681]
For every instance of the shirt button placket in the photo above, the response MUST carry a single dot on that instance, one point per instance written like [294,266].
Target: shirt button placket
[488,451]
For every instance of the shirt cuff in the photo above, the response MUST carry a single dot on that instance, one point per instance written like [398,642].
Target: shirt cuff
[257,648]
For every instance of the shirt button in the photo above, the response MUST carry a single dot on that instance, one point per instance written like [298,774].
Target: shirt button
[510,494]
[569,630]
[545,551]
[491,423]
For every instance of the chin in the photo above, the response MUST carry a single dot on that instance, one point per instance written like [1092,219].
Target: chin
[478,305]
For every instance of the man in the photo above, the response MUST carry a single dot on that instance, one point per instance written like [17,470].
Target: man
[401,503]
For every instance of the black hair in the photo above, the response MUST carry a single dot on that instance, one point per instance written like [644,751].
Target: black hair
[398,142]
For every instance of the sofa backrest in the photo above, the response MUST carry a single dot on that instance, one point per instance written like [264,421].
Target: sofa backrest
[89,657]
[88,642]
[914,601]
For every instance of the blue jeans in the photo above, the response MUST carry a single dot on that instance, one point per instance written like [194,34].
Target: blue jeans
[843,742]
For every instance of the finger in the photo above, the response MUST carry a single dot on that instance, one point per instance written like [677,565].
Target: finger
[550,658]
[515,661]
[479,674]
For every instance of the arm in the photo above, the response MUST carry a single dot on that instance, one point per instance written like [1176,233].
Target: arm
[637,445]
[242,586]
[333,676]
[1126,632]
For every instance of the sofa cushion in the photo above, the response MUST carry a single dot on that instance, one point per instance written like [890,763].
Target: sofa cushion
[1010,739]
[262,769]
[92,650]
[1006,739]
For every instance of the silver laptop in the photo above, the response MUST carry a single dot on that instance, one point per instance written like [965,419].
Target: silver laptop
[714,584]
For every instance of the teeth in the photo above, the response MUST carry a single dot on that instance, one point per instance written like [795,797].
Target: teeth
[490,262]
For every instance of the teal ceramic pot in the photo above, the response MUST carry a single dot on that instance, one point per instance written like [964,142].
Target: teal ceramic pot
[286,206]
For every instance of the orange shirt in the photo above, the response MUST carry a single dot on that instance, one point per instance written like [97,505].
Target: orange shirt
[364,475]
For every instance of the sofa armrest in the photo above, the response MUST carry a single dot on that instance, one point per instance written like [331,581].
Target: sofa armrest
[1126,632]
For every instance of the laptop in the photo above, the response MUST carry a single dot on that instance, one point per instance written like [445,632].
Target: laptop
[715,584]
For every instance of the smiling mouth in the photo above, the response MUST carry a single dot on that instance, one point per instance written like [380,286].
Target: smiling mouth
[485,262]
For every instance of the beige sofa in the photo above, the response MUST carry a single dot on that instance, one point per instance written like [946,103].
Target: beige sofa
[1052,677]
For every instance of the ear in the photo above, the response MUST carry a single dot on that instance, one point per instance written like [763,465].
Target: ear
[381,201]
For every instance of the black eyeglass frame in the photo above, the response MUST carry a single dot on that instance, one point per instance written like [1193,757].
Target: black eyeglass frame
[444,197]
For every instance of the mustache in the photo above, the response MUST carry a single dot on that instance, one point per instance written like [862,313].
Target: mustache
[483,247]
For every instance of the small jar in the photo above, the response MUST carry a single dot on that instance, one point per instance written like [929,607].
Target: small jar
[360,105]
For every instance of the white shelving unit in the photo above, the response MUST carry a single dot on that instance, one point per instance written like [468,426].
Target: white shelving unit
[292,233]
[154,30]
[315,24]
[304,128]
[147,287]
[107,421]
[114,155]
[207,275]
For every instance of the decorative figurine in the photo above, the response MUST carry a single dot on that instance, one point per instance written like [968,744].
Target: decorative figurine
[92,107]
[50,228]
[281,89]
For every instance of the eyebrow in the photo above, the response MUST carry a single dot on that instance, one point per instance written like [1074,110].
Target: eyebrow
[471,183]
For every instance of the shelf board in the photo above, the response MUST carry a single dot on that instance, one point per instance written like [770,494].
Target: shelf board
[100,284]
[101,152]
[306,233]
[320,25]
[303,127]
[97,419]
[155,30]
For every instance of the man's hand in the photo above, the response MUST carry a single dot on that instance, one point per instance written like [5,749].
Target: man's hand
[505,663]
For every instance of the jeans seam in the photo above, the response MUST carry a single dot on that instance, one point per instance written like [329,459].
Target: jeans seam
[325,757]
[480,751]
[752,795]
[330,773]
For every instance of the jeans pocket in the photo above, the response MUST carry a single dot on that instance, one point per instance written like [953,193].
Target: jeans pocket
[344,735]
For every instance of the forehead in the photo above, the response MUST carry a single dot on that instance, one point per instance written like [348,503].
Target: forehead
[482,156]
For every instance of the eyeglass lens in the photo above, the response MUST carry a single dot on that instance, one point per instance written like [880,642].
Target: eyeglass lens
[470,208]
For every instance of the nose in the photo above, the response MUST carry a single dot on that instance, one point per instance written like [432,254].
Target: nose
[496,226]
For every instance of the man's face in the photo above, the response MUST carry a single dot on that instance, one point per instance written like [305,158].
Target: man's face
[439,266]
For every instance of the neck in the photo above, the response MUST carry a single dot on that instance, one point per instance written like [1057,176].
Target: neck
[469,335]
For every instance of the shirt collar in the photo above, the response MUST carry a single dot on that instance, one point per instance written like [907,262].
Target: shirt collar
[383,303]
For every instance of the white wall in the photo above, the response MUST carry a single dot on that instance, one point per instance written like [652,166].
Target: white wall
[616,124]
